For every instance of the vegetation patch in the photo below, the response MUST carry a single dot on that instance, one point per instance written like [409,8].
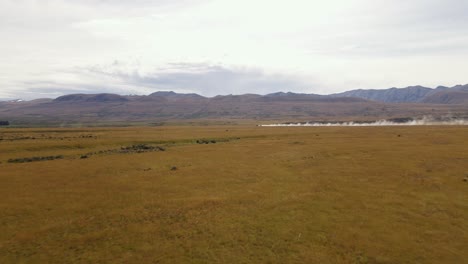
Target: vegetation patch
[42,136]
[33,159]
[206,141]
[139,148]
[215,140]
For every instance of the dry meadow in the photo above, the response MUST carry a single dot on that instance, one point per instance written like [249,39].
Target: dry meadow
[234,194]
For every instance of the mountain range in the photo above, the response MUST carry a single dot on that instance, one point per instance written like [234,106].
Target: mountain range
[168,106]
[413,94]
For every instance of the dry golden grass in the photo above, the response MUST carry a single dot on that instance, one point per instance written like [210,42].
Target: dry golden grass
[259,195]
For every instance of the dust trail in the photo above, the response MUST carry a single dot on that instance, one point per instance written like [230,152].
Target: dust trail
[426,121]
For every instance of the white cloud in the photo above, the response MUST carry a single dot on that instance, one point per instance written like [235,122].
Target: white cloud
[201,78]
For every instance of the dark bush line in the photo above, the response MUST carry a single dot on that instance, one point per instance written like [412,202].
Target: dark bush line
[203,141]
[140,148]
[33,159]
[43,137]
[216,140]
[4,123]
[87,136]
[17,138]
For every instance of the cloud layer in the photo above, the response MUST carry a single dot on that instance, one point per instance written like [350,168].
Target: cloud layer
[53,47]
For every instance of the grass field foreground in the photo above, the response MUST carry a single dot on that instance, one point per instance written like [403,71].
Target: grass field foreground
[234,194]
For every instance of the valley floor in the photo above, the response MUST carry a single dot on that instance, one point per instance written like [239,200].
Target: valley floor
[234,194]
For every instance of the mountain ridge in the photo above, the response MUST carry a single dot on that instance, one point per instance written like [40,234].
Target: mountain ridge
[165,106]
[410,94]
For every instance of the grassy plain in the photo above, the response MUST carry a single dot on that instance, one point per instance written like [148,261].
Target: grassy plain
[257,195]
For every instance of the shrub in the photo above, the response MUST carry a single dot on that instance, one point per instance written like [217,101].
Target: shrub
[141,148]
[33,159]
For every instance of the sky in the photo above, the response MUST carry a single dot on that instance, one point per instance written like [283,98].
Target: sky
[49,48]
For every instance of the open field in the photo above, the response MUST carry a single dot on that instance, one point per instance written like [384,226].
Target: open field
[234,194]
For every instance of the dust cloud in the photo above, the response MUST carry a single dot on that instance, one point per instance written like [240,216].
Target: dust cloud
[425,121]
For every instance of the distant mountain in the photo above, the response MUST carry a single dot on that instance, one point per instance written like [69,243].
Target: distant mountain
[284,97]
[461,87]
[411,94]
[165,106]
[289,96]
[236,98]
[393,95]
[174,95]
[447,97]
[99,98]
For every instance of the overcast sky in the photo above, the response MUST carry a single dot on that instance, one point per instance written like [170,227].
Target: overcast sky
[53,47]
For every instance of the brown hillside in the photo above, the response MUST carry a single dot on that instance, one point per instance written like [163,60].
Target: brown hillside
[448,97]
